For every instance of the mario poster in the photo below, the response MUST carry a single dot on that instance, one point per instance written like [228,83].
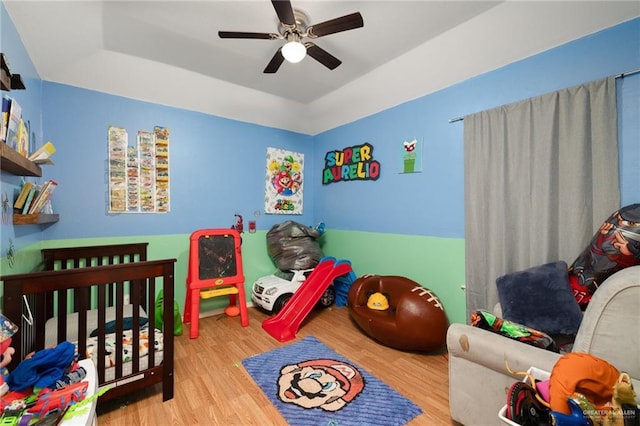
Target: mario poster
[284,182]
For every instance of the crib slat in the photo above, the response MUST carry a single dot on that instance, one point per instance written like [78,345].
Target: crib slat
[119,296]
[152,322]
[41,311]
[62,316]
[134,291]
[82,307]
[101,331]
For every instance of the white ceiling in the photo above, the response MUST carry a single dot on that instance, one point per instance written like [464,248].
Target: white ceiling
[168,52]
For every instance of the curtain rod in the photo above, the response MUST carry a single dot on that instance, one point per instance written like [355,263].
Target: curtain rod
[622,75]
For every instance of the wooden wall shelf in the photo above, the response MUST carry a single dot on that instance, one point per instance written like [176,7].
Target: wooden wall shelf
[16,164]
[9,81]
[34,219]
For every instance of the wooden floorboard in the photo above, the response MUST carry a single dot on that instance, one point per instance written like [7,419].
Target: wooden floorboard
[213,388]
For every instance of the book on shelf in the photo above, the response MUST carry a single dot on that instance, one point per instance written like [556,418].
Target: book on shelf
[42,154]
[27,203]
[23,139]
[6,101]
[43,196]
[22,196]
[15,114]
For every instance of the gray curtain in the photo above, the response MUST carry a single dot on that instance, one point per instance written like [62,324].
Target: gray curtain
[541,175]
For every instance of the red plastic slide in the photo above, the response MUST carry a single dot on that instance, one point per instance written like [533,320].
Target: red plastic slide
[286,323]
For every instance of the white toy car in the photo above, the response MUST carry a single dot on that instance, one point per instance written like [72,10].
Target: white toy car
[272,292]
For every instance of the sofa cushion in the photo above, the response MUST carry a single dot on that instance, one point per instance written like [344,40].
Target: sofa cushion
[540,298]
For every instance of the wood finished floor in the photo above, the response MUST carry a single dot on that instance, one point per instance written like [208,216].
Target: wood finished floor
[212,387]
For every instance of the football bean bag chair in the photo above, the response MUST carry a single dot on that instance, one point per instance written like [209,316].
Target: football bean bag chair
[413,319]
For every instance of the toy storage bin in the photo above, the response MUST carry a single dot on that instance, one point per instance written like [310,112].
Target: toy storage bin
[537,374]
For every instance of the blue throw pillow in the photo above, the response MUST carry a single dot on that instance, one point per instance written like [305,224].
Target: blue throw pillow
[540,298]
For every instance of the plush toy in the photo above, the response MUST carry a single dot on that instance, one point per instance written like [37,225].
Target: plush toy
[586,390]
[623,404]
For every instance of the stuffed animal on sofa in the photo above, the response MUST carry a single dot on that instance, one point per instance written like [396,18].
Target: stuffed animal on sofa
[624,409]
[616,245]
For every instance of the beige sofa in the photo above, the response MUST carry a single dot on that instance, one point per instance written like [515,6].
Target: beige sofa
[610,330]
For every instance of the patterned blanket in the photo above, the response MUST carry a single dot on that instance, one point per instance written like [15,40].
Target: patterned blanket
[127,345]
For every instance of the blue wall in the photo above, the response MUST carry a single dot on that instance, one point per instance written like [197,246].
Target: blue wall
[629,137]
[432,202]
[217,165]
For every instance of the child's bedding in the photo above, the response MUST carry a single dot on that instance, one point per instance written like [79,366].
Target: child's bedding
[51,326]
[127,345]
[110,339]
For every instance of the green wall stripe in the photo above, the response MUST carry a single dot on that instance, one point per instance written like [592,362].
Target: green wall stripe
[435,263]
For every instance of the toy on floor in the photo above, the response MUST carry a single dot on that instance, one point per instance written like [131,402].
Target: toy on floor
[285,324]
[214,270]
[272,292]
[414,321]
[295,251]
[232,311]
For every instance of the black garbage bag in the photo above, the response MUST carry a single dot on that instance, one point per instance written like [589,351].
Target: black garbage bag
[294,246]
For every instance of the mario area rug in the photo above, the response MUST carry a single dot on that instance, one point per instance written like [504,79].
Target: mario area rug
[310,384]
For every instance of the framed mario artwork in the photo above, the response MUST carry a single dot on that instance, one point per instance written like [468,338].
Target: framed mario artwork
[284,182]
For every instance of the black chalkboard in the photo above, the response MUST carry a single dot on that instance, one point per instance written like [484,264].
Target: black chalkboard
[217,257]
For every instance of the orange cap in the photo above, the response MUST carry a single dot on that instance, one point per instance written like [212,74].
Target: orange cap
[581,373]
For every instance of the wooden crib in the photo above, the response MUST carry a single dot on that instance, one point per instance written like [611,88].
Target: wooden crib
[101,290]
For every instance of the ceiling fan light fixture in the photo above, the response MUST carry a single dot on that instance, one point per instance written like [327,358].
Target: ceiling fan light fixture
[293,27]
[294,51]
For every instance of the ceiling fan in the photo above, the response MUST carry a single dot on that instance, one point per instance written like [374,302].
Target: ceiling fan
[294,28]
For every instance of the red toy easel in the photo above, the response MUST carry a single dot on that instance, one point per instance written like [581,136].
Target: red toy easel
[215,270]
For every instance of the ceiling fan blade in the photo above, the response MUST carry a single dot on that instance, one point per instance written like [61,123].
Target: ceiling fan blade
[275,63]
[322,56]
[240,34]
[284,10]
[332,26]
